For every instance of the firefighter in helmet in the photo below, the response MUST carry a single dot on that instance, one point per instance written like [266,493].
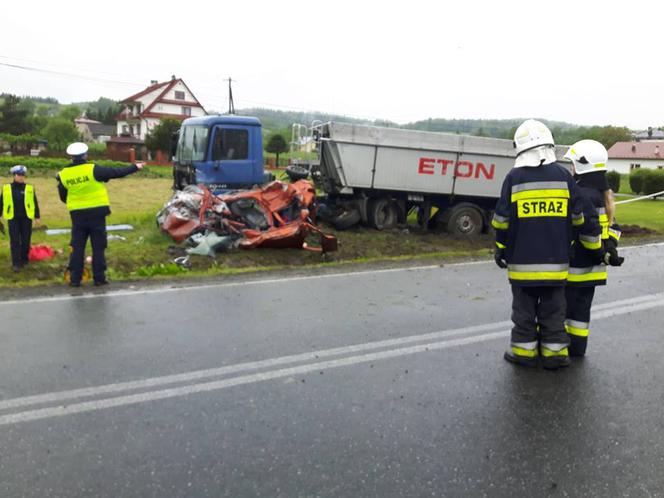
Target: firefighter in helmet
[539,209]
[589,159]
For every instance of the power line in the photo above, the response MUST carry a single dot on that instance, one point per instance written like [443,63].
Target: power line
[62,73]
[139,85]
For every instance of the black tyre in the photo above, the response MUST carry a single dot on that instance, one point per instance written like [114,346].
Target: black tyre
[296,173]
[464,221]
[420,217]
[383,214]
[346,219]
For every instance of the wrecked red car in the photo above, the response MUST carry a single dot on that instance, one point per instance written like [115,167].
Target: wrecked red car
[277,215]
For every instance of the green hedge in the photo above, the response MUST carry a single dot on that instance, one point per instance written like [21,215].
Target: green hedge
[613,179]
[646,181]
[46,163]
[636,180]
[653,181]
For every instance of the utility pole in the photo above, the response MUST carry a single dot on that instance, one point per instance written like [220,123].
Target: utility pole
[231,105]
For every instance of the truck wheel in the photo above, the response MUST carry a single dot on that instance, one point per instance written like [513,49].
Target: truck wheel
[296,173]
[420,217]
[383,214]
[346,219]
[465,221]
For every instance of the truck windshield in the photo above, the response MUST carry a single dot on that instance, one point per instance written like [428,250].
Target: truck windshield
[192,143]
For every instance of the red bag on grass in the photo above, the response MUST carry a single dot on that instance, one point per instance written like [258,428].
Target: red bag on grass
[40,252]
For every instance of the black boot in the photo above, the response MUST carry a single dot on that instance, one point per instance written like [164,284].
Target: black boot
[577,345]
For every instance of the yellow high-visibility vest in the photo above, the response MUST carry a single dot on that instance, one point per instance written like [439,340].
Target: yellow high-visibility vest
[83,191]
[8,201]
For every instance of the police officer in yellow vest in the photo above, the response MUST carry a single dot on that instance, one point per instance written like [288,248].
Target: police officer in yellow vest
[19,206]
[81,186]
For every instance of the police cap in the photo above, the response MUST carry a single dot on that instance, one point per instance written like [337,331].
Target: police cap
[77,149]
[19,169]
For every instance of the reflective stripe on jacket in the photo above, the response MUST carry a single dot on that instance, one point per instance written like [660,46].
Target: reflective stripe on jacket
[83,191]
[535,218]
[585,270]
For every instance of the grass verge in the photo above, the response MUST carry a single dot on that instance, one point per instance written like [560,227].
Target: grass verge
[144,252]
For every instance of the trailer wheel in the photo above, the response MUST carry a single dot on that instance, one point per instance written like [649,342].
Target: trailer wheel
[383,214]
[420,217]
[296,173]
[465,221]
[346,219]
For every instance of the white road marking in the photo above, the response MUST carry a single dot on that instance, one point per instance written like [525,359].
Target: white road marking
[164,290]
[236,381]
[608,310]
[283,360]
[241,367]
[183,288]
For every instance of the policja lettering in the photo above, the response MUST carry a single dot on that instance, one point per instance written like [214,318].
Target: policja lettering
[77,180]
[542,207]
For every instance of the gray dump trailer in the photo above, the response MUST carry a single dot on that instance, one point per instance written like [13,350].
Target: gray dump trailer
[377,176]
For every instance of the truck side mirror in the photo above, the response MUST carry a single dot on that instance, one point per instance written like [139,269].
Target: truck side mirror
[175,137]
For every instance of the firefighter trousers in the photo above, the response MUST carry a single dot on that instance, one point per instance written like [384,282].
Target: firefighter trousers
[538,313]
[577,321]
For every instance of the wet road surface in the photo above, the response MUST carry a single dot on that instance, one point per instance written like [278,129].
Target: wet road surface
[374,383]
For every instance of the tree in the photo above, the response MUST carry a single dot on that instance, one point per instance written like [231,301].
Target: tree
[13,118]
[69,112]
[276,145]
[60,132]
[161,135]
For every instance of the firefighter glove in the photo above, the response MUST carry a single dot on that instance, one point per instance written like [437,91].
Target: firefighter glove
[611,258]
[499,257]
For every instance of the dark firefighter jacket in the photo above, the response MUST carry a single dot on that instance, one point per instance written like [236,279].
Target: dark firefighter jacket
[537,217]
[584,270]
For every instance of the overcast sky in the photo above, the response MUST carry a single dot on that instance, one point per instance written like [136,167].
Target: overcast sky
[585,62]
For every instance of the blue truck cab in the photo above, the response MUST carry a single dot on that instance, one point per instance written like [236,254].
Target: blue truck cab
[221,152]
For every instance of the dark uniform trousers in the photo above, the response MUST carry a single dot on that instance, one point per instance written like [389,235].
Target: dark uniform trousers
[539,309]
[95,229]
[20,233]
[579,302]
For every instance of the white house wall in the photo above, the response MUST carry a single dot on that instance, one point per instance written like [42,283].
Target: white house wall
[179,87]
[623,165]
[148,98]
[147,125]
[176,109]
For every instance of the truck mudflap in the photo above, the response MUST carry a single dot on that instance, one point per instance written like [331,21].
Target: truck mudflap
[278,215]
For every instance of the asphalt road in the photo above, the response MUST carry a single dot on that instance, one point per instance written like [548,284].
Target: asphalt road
[375,383]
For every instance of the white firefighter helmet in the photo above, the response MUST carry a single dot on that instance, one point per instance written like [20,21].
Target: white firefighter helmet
[77,149]
[534,145]
[531,134]
[587,156]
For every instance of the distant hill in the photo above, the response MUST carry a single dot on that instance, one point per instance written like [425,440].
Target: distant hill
[272,119]
[500,128]
[104,109]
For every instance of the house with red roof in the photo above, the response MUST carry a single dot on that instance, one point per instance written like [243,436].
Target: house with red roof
[144,110]
[628,156]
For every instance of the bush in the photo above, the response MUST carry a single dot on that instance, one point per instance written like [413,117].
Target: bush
[653,182]
[613,179]
[160,136]
[636,180]
[46,163]
[60,132]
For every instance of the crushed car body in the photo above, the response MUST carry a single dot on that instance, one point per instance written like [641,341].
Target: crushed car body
[277,215]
